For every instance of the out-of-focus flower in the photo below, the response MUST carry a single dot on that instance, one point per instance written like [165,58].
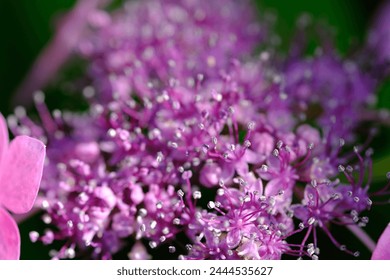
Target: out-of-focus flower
[333,91]
[21,165]
[151,41]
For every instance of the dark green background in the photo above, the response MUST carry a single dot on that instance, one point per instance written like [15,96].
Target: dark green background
[27,25]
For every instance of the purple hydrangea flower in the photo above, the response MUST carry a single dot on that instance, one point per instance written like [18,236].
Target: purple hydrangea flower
[190,134]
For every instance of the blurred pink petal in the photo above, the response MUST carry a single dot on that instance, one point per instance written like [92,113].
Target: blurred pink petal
[9,237]
[21,173]
[382,250]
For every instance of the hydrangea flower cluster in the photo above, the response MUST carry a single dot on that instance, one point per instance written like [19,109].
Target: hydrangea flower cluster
[191,135]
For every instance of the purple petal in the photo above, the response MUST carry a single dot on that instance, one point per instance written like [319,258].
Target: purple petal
[382,250]
[242,167]
[249,250]
[301,212]
[227,172]
[253,157]
[210,175]
[273,187]
[21,173]
[137,194]
[9,237]
[139,252]
[309,134]
[3,137]
[254,184]
[233,238]
[379,37]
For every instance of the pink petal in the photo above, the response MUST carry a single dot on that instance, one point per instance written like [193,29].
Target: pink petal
[227,172]
[273,187]
[382,250]
[3,137]
[254,184]
[21,173]
[253,157]
[233,238]
[9,237]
